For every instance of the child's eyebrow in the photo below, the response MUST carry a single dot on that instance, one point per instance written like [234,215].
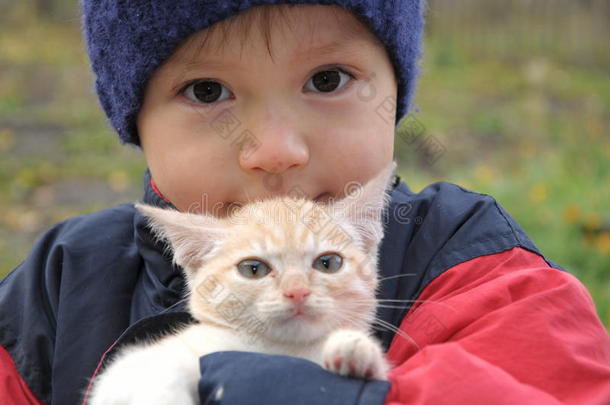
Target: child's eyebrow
[348,47]
[212,64]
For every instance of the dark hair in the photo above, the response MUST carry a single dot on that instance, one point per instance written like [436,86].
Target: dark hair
[263,17]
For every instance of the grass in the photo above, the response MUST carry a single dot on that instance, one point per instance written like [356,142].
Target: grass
[533,134]
[529,128]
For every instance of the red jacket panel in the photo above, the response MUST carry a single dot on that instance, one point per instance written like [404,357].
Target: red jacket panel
[13,390]
[504,328]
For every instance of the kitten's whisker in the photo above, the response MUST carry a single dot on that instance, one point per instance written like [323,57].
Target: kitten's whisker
[395,300]
[349,313]
[378,328]
[392,301]
[396,276]
[444,304]
[393,306]
[396,330]
[351,319]
[349,316]
[386,299]
[382,300]
[175,304]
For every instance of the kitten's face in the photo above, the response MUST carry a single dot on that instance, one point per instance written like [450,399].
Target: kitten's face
[283,269]
[297,283]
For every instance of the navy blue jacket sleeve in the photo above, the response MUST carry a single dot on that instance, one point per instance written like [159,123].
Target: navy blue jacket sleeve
[28,312]
[240,378]
[65,304]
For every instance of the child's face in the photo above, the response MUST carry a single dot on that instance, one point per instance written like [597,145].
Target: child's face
[221,127]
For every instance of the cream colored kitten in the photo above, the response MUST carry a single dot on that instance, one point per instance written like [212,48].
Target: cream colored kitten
[284,276]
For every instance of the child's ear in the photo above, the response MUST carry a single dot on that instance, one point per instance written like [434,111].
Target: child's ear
[363,207]
[193,237]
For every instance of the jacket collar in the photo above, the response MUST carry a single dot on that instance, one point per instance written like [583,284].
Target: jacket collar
[152,195]
[161,285]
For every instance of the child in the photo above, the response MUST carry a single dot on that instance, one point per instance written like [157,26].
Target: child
[244,109]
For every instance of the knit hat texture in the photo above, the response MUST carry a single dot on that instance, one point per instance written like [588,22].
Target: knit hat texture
[128,40]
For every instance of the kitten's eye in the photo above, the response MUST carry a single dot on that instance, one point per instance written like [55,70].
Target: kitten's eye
[327,81]
[253,268]
[328,263]
[206,91]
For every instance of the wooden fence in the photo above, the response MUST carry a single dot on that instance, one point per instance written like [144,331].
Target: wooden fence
[572,31]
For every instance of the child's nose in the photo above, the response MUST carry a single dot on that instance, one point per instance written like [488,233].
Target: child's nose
[274,150]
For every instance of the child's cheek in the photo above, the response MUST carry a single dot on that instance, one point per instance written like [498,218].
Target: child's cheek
[357,112]
[194,130]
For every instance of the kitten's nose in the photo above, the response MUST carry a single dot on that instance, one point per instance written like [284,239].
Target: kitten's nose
[297,295]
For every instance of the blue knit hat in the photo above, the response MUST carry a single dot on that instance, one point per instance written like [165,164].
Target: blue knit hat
[127,40]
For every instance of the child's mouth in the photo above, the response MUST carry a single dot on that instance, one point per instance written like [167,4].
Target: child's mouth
[322,198]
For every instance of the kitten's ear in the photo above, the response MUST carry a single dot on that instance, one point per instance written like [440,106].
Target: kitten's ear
[363,207]
[192,236]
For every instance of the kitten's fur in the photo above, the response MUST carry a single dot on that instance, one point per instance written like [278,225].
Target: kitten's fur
[240,313]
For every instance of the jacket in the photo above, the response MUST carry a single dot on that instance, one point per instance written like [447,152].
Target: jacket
[489,319]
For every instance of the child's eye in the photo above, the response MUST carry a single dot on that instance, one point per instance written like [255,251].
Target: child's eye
[329,80]
[206,91]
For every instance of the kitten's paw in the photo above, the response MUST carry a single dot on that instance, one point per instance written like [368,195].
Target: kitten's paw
[354,353]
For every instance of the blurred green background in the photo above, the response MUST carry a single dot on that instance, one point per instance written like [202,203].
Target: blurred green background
[514,101]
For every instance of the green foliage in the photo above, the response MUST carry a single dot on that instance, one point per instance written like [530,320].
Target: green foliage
[534,134]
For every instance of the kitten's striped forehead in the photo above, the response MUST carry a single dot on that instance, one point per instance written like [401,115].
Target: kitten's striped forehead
[272,225]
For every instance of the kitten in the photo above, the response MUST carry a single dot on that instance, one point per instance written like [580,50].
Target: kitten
[283,276]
